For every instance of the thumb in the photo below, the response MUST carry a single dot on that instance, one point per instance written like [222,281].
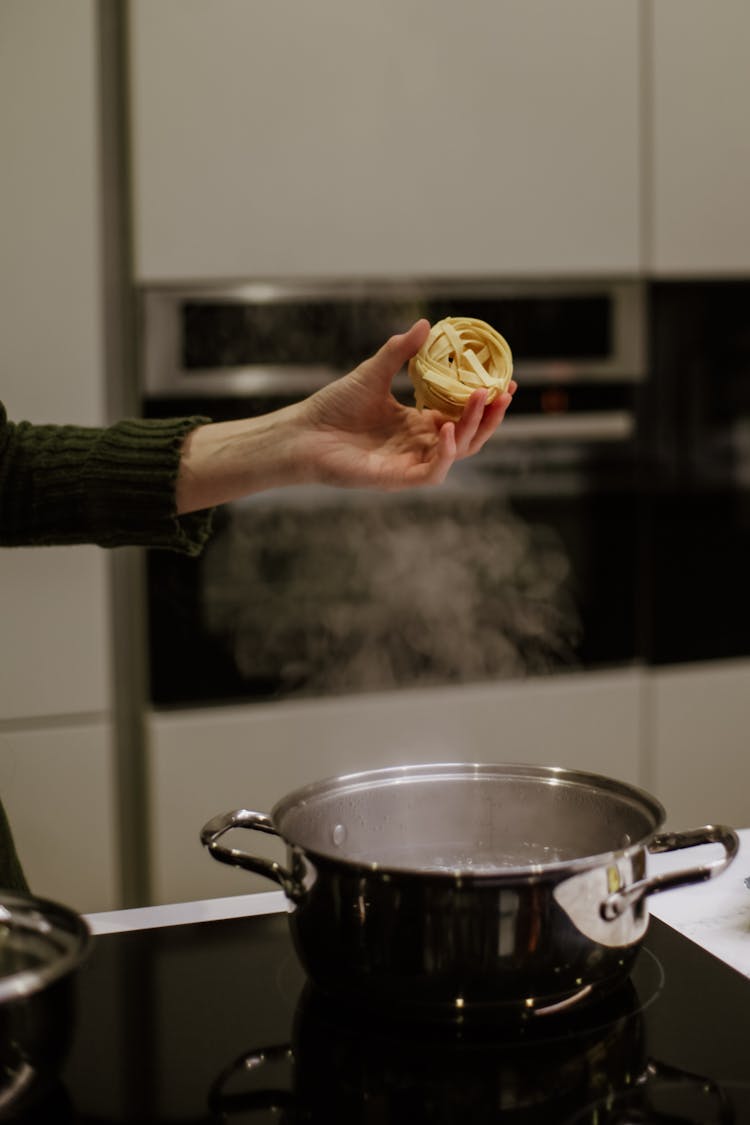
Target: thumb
[388,361]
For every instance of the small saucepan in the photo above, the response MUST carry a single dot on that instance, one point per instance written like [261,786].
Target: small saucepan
[42,945]
[463,889]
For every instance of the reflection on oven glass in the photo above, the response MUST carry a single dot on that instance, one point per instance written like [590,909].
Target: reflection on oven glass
[315,595]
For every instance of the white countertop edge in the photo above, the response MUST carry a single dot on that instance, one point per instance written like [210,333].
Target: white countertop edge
[186,913]
[714,915]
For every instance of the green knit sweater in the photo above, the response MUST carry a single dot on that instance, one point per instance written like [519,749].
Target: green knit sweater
[112,486]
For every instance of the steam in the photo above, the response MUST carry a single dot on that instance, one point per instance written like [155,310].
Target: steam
[322,593]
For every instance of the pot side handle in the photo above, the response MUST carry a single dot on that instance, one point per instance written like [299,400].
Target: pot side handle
[618,902]
[223,1104]
[212,832]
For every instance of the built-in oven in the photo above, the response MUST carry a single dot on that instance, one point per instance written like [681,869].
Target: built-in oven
[524,562]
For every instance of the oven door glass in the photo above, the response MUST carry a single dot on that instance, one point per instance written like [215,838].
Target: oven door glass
[523,563]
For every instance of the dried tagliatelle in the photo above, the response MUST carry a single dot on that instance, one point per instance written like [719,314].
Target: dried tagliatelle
[460,356]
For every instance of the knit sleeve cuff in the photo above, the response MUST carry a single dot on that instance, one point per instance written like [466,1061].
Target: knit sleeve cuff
[113,487]
[132,469]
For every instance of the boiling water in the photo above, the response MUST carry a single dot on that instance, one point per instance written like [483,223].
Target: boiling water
[479,859]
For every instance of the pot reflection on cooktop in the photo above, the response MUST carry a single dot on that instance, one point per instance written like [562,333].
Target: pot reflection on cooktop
[348,1065]
[666,1095]
[215,1023]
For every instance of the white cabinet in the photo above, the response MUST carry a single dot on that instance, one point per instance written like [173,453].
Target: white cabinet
[207,762]
[55,639]
[392,138]
[55,738]
[700,179]
[58,791]
[53,603]
[50,295]
[698,733]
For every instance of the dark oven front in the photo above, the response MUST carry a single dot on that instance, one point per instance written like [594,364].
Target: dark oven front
[523,563]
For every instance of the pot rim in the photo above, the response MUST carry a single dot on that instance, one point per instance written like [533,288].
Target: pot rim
[51,921]
[404,774]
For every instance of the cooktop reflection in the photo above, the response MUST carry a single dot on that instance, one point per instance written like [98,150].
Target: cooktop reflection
[214,1022]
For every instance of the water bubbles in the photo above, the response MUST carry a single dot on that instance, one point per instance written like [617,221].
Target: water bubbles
[338,835]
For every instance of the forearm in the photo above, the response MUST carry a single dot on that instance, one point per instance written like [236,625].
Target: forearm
[223,461]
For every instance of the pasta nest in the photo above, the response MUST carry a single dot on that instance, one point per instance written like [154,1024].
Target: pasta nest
[460,356]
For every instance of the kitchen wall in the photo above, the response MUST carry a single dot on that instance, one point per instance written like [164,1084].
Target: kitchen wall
[527,138]
[56,731]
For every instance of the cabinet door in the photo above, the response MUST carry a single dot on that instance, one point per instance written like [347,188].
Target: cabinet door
[699,738]
[50,295]
[56,784]
[55,633]
[397,137]
[53,602]
[208,762]
[701,142]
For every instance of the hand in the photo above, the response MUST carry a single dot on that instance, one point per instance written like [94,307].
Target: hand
[358,435]
[352,433]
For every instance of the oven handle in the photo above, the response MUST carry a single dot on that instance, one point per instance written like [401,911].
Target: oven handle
[621,900]
[212,832]
[604,425]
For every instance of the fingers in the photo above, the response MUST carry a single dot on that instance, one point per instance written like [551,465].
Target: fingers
[395,352]
[435,469]
[478,421]
[408,343]
[463,438]
[491,419]
[469,422]
[446,445]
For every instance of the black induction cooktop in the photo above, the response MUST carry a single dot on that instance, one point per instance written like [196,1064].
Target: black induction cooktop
[214,1022]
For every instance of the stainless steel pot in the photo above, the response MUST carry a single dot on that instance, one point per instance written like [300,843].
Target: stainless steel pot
[458,889]
[42,944]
